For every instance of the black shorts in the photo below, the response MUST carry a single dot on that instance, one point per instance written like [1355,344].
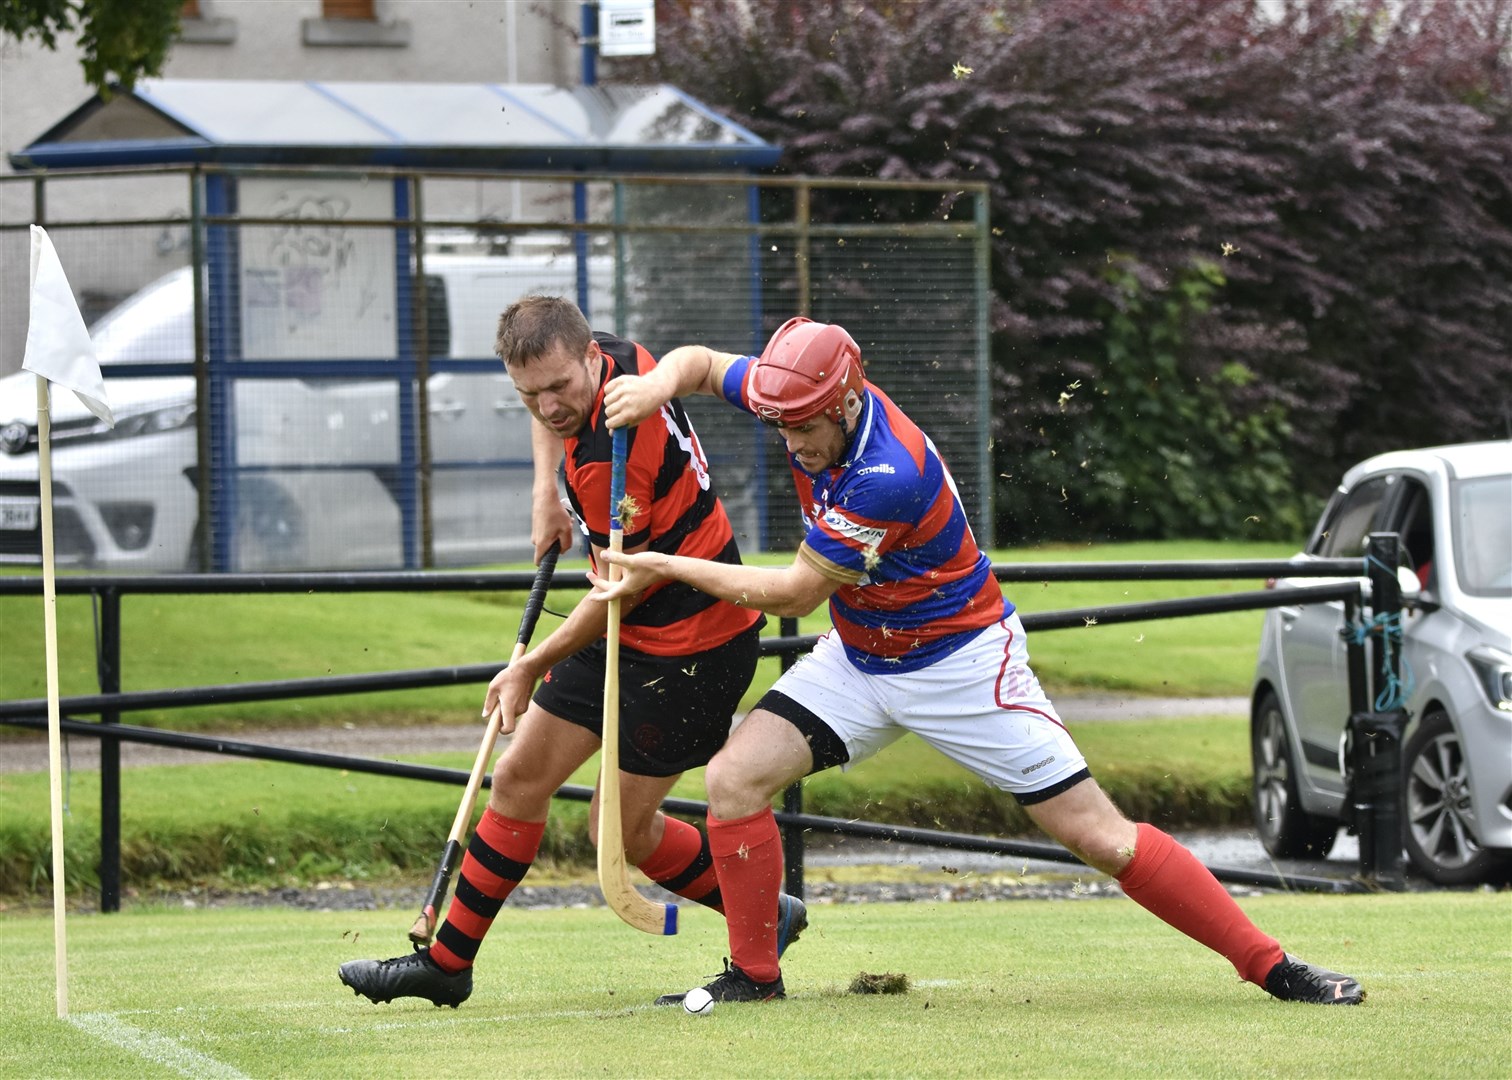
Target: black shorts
[675,711]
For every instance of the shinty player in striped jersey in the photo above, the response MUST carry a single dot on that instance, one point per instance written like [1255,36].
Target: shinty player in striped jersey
[685,661]
[924,641]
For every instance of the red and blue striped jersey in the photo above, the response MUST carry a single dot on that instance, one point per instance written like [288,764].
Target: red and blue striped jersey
[888,524]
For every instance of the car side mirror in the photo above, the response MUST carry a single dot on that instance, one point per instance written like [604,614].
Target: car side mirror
[1412,591]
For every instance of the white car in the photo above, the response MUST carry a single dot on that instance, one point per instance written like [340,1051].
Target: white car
[1452,508]
[318,483]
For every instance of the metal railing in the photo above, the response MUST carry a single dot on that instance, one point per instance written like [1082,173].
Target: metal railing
[1381,861]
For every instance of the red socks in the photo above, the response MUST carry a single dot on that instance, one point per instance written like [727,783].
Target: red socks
[748,858]
[745,880]
[1167,880]
[682,863]
[498,856]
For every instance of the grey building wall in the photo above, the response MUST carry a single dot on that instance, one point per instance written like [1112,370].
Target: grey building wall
[411,40]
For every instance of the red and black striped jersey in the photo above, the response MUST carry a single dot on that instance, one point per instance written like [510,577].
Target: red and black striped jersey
[676,511]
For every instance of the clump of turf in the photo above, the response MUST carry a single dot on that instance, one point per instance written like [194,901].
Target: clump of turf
[889,983]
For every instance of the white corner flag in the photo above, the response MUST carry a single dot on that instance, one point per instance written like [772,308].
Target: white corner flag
[58,350]
[57,343]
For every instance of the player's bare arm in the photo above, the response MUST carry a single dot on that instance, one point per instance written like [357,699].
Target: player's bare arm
[549,521]
[793,590]
[511,688]
[688,369]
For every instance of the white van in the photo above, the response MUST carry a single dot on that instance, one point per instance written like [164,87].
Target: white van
[318,483]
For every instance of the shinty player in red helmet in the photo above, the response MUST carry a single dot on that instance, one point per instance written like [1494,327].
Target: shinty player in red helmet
[924,641]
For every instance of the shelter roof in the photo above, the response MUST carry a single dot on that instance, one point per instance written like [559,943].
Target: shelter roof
[608,127]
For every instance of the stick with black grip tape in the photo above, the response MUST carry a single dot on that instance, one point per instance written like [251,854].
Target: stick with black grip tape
[425,923]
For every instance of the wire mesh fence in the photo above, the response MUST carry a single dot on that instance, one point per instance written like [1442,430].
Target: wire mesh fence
[303,368]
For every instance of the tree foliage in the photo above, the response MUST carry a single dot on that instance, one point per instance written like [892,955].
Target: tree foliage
[1334,181]
[120,40]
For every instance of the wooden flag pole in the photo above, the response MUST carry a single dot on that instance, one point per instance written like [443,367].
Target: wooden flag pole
[54,725]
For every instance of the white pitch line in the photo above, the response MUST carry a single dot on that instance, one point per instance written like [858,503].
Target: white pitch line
[428,1021]
[206,1010]
[158,1049]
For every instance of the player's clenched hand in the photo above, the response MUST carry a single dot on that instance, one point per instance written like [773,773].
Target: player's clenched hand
[637,573]
[549,523]
[509,692]
[629,399]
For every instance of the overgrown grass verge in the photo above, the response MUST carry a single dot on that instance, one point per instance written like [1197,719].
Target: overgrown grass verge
[264,824]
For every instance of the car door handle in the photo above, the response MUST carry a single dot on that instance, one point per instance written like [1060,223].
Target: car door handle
[450,410]
[504,405]
[1289,614]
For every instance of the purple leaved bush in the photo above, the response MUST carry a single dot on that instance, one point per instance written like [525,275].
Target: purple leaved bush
[1281,232]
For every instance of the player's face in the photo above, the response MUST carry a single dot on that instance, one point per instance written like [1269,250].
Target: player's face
[818,444]
[559,387]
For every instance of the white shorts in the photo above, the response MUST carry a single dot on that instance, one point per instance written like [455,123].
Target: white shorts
[981,706]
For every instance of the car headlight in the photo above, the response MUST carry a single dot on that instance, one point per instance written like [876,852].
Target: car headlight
[1494,669]
[19,437]
[152,421]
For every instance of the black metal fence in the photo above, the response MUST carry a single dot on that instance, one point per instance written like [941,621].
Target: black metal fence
[1374,809]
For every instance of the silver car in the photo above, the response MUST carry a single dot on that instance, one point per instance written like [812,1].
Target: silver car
[1452,508]
[317,458]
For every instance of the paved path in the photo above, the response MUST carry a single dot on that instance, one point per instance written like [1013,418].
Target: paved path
[1235,849]
[28,753]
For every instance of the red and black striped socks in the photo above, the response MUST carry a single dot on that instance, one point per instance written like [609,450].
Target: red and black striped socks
[498,856]
[683,864]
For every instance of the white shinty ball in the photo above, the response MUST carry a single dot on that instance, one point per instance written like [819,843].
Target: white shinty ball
[698,1003]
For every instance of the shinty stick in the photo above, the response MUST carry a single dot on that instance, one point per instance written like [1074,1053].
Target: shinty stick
[613,874]
[425,923]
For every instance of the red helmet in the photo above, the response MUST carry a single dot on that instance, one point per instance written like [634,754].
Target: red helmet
[808,369]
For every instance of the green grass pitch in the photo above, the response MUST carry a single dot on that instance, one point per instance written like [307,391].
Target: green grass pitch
[1086,987]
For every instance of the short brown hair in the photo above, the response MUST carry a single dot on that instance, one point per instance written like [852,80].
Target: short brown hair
[534,325]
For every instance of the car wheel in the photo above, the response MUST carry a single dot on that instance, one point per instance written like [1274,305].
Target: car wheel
[1437,818]
[270,532]
[1286,830]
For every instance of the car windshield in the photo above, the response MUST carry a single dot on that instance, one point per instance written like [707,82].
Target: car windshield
[1483,534]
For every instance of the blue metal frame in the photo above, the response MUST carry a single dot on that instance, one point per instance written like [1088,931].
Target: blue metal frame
[223,348]
[580,245]
[225,365]
[407,486]
[590,27]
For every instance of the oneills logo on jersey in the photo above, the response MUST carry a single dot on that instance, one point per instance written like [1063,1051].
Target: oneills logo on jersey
[865,535]
[882,468]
